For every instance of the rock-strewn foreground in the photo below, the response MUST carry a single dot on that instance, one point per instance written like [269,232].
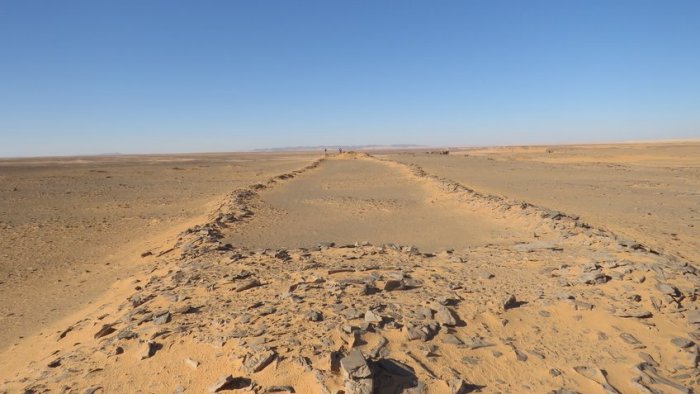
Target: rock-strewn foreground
[575,309]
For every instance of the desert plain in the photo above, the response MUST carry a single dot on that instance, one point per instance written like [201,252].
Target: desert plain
[546,269]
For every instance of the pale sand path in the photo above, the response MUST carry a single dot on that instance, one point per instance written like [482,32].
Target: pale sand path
[355,200]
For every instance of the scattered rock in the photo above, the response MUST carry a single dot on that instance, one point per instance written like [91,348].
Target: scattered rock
[248,284]
[445,317]
[313,316]
[354,365]
[259,360]
[148,350]
[105,330]
[458,386]
[593,278]
[682,342]
[667,289]
[220,383]
[630,339]
[162,318]
[192,363]
[635,314]
[372,317]
[357,373]
[694,317]
[509,302]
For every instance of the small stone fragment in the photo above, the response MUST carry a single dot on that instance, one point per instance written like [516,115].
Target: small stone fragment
[457,386]
[593,278]
[162,318]
[248,284]
[667,289]
[259,360]
[630,339]
[192,363]
[105,330]
[148,350]
[445,316]
[509,302]
[394,284]
[694,317]
[313,316]
[635,314]
[220,383]
[372,317]
[682,342]
[451,339]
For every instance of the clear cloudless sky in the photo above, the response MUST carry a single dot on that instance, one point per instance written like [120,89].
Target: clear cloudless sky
[91,77]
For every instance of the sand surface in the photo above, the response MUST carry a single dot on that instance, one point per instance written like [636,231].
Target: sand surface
[650,193]
[353,200]
[70,226]
[393,274]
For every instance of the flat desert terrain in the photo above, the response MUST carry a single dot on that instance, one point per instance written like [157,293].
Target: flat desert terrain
[554,269]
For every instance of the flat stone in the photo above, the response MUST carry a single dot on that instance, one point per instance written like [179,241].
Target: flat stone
[268,310]
[630,339]
[682,342]
[394,284]
[220,383]
[635,314]
[162,318]
[520,356]
[424,313]
[458,386]
[354,365]
[667,289]
[248,284]
[694,317]
[104,331]
[445,316]
[593,278]
[259,360]
[373,317]
[279,389]
[451,339]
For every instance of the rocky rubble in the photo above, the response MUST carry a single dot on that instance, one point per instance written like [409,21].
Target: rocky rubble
[427,322]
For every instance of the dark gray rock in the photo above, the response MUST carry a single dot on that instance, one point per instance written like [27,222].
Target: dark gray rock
[509,302]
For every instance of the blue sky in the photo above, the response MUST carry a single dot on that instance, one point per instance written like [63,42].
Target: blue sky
[90,77]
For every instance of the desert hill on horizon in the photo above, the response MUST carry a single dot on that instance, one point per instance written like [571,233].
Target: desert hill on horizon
[551,268]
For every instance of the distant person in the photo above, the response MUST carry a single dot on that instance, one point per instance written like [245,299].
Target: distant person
[325,151]
[340,150]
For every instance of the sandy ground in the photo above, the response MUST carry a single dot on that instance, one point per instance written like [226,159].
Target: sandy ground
[393,274]
[647,192]
[359,200]
[70,226]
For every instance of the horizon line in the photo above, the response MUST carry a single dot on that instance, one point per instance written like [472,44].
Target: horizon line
[398,147]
